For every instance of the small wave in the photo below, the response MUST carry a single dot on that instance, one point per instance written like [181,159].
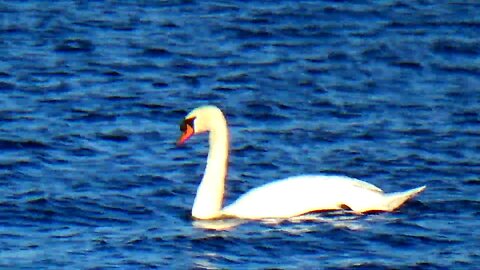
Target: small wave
[75,46]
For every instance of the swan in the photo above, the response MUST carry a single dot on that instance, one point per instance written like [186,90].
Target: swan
[290,197]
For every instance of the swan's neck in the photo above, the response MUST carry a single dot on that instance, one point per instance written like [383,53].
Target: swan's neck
[209,199]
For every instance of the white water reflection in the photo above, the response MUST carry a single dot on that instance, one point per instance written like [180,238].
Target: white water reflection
[350,222]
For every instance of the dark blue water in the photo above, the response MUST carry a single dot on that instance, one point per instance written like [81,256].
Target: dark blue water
[91,95]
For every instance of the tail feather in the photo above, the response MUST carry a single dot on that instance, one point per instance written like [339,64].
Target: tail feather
[396,199]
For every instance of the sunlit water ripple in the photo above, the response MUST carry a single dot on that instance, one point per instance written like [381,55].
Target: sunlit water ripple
[92,93]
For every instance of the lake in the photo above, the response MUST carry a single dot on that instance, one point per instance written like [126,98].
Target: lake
[92,92]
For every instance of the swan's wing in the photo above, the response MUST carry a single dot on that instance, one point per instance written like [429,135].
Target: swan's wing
[365,185]
[339,179]
[300,194]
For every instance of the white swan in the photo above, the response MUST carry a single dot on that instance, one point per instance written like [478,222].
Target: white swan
[285,198]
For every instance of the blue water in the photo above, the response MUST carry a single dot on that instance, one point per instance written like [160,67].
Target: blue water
[91,95]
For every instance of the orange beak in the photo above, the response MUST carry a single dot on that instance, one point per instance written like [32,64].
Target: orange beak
[185,135]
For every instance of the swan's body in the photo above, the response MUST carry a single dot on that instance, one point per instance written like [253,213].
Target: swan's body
[285,198]
[307,193]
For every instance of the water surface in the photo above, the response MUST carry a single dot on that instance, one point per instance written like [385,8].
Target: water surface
[91,94]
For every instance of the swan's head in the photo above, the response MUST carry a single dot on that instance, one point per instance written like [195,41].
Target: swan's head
[200,120]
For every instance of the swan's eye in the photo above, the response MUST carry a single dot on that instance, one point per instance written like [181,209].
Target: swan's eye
[185,123]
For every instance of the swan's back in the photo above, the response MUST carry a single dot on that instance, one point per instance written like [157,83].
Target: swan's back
[301,194]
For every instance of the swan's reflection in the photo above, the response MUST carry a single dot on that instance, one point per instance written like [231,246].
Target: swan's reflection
[350,222]
[219,224]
